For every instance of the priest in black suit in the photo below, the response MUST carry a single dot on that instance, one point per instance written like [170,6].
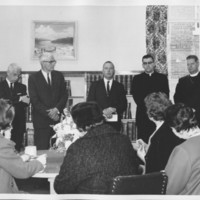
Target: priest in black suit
[16,94]
[110,95]
[48,96]
[188,87]
[143,84]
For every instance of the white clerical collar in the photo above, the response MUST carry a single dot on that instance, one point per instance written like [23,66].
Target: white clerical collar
[150,74]
[193,75]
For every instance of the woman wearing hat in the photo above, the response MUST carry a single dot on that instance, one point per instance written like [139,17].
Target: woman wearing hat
[101,154]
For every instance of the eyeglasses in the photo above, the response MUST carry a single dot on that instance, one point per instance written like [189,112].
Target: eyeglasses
[147,63]
[51,61]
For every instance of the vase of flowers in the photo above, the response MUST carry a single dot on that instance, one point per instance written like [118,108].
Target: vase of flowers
[65,132]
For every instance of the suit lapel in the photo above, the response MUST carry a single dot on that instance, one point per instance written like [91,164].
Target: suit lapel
[42,79]
[7,89]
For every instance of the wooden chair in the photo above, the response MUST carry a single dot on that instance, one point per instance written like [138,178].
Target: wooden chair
[152,183]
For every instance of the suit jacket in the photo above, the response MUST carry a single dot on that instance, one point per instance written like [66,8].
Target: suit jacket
[183,168]
[116,99]
[188,92]
[20,107]
[91,162]
[162,144]
[12,166]
[44,97]
[142,85]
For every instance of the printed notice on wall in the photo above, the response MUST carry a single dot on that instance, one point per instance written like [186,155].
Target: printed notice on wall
[182,42]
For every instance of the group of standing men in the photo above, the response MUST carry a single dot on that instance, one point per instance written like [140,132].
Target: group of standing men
[187,91]
[48,96]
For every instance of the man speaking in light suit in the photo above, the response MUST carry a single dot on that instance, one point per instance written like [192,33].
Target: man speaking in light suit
[48,96]
[110,95]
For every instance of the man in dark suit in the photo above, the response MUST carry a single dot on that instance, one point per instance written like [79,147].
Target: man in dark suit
[48,96]
[188,87]
[15,93]
[143,84]
[110,95]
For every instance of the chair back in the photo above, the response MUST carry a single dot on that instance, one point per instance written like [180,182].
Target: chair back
[152,183]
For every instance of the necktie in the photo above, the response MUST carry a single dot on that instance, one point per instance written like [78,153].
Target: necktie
[48,80]
[108,87]
[11,87]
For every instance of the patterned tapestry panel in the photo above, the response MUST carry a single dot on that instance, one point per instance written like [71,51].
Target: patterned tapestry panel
[156,35]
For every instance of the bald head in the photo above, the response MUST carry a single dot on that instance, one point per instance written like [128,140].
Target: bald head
[13,72]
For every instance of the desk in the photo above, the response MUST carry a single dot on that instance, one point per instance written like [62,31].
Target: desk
[54,161]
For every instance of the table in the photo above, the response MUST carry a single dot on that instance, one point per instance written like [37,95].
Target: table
[54,161]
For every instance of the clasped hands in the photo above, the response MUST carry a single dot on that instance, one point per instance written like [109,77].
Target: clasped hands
[53,113]
[108,112]
[141,147]
[25,99]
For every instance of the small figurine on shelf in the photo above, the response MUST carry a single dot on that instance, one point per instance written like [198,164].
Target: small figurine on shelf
[65,132]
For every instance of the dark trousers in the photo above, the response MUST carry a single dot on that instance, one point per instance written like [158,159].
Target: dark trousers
[42,137]
[19,128]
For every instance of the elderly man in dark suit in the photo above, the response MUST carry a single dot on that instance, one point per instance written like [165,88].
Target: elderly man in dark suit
[188,87]
[110,95]
[15,93]
[48,96]
[143,84]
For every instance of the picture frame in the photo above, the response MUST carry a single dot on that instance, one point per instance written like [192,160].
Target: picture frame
[55,36]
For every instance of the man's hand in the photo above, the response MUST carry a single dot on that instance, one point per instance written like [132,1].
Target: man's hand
[25,99]
[53,114]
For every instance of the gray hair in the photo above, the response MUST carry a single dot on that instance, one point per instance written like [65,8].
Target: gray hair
[13,67]
[46,56]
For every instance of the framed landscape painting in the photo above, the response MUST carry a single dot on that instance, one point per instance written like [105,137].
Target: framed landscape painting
[57,37]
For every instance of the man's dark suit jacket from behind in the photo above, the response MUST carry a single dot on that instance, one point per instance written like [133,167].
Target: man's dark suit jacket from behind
[162,144]
[188,92]
[116,99]
[19,122]
[141,86]
[44,97]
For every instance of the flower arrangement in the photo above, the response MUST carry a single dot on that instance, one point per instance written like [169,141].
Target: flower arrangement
[65,132]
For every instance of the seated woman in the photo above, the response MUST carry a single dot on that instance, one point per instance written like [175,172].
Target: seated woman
[156,153]
[13,165]
[183,167]
[92,160]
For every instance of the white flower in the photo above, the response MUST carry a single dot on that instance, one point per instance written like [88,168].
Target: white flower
[65,132]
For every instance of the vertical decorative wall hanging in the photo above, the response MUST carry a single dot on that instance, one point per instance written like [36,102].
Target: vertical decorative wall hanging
[156,35]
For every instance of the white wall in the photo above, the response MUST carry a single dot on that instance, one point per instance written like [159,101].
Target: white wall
[115,33]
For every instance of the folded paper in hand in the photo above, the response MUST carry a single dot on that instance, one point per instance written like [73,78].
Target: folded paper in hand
[114,118]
